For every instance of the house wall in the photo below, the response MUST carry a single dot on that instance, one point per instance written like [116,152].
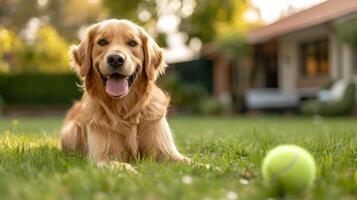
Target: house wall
[290,79]
[335,56]
[347,55]
[342,58]
[346,61]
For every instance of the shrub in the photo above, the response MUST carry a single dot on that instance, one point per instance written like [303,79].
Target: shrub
[189,97]
[9,44]
[39,89]
[47,54]
[211,106]
[193,94]
[1,105]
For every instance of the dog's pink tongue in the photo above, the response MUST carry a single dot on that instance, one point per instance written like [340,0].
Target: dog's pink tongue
[117,86]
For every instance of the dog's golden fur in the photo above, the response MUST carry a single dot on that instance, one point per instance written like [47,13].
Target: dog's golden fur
[122,129]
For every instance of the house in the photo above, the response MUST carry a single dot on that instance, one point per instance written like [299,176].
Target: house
[298,53]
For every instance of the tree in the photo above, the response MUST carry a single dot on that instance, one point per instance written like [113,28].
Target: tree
[10,43]
[127,9]
[48,53]
[67,16]
[208,15]
[15,14]
[347,31]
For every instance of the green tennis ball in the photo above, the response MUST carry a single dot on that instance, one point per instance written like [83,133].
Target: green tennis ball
[289,169]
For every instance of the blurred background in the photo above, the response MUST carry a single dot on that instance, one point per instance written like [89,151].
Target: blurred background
[225,56]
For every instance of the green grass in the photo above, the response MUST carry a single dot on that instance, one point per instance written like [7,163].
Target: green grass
[227,151]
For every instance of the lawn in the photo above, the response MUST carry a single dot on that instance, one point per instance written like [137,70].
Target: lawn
[227,152]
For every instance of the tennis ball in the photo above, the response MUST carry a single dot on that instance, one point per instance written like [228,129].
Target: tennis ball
[289,169]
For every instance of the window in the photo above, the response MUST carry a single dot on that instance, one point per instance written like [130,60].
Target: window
[314,58]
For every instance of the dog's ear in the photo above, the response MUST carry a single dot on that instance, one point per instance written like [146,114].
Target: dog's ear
[154,64]
[82,53]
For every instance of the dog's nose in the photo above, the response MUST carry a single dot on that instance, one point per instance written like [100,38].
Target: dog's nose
[116,60]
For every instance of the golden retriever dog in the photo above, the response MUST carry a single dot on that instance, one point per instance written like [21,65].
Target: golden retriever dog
[121,115]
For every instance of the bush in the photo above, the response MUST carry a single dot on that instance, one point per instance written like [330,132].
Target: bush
[47,54]
[193,95]
[39,89]
[189,97]
[10,43]
[1,105]
[211,106]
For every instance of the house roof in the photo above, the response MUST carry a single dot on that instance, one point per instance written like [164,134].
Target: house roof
[319,14]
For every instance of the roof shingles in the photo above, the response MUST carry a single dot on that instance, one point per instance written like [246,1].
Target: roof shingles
[319,14]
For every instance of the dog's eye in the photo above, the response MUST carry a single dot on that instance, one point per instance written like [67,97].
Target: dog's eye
[102,42]
[132,43]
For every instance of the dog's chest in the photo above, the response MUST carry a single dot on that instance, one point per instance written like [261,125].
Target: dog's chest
[128,135]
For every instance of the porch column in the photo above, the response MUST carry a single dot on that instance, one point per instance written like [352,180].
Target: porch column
[347,61]
[335,57]
[221,78]
[288,65]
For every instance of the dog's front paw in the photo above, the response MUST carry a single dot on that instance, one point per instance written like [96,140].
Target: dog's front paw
[116,165]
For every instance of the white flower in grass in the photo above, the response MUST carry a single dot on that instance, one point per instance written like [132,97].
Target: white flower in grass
[243,181]
[187,180]
[317,119]
[208,166]
[217,169]
[231,195]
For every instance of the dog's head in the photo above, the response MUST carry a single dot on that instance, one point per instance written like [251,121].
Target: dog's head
[120,54]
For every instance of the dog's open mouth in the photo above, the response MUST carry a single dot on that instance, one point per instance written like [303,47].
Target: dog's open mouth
[117,85]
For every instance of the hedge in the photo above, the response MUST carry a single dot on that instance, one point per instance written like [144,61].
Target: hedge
[195,80]
[39,89]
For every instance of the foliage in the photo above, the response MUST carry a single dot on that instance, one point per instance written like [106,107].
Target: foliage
[344,106]
[9,44]
[347,31]
[184,96]
[67,16]
[238,24]
[48,53]
[210,17]
[61,89]
[15,14]
[233,46]
[208,20]
[39,89]
[227,154]
[1,103]
[206,13]
[211,106]
[130,9]
[194,94]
